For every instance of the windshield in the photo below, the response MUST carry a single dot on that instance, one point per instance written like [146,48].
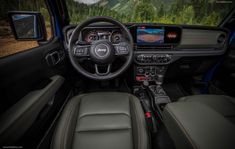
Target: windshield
[191,12]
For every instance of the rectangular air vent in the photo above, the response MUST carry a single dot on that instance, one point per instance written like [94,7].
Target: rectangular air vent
[162,47]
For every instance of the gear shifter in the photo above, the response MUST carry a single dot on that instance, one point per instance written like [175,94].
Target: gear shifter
[158,92]
[146,103]
[159,79]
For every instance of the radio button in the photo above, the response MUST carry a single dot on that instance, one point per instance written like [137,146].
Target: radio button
[140,71]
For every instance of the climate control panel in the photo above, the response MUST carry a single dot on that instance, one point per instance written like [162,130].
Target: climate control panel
[145,73]
[149,73]
[153,59]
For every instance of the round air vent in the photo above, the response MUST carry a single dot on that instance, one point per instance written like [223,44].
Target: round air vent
[221,39]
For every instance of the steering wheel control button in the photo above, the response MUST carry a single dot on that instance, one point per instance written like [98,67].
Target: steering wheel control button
[121,49]
[81,51]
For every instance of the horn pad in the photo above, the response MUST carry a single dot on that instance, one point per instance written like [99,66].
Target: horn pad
[102,52]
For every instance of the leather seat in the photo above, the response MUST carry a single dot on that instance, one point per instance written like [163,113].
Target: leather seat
[102,121]
[224,105]
[202,121]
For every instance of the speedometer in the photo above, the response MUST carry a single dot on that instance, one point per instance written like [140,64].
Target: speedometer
[91,36]
[116,37]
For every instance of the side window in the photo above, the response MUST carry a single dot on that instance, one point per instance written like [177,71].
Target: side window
[8,44]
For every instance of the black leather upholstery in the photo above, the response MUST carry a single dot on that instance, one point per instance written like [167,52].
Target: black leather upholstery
[102,121]
[201,122]
[224,105]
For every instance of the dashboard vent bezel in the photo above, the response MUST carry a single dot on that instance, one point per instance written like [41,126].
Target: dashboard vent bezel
[160,47]
[221,39]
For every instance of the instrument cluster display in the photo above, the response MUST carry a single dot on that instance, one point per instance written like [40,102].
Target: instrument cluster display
[113,35]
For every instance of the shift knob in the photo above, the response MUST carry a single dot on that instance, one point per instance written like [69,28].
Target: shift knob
[146,83]
[159,79]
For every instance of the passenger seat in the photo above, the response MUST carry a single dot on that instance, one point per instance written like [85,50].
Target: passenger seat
[201,122]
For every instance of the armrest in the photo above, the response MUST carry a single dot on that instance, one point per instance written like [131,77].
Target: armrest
[194,125]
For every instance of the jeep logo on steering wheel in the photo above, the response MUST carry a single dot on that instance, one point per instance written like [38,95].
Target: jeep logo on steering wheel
[102,50]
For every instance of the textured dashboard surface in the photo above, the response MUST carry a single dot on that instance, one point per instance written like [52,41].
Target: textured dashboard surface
[201,37]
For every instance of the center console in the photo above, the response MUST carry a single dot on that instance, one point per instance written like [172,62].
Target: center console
[158,46]
[149,39]
[152,44]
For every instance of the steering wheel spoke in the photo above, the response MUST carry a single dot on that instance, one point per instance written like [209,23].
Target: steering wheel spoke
[106,69]
[122,49]
[81,50]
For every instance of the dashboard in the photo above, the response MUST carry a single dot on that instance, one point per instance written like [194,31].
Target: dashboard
[157,44]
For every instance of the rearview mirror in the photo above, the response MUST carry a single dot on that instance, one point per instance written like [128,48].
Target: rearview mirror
[27,25]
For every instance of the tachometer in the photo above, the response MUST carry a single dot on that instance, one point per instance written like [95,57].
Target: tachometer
[91,36]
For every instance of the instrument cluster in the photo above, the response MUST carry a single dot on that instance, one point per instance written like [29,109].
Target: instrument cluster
[92,34]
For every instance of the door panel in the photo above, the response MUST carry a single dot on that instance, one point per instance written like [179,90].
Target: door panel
[20,117]
[29,85]
[224,79]
[229,62]
[26,71]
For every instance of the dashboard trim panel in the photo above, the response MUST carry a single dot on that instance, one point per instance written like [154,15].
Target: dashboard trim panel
[195,41]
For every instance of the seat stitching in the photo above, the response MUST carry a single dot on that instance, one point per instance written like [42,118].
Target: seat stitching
[138,127]
[104,114]
[66,127]
[70,118]
[132,127]
[181,127]
[118,129]
[69,121]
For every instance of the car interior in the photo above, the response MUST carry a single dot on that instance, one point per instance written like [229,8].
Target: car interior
[107,84]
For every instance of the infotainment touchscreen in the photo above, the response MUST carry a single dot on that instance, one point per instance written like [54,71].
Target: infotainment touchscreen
[150,36]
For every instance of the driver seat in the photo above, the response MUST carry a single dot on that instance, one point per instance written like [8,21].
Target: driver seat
[102,121]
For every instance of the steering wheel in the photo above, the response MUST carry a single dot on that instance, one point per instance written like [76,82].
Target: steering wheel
[101,52]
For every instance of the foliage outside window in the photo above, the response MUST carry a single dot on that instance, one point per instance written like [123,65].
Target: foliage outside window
[192,12]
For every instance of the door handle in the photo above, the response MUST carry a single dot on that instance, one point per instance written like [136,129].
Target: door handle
[54,57]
